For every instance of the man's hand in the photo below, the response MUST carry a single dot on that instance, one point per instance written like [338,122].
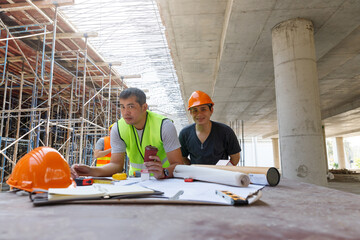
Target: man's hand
[79,170]
[234,159]
[155,167]
[186,161]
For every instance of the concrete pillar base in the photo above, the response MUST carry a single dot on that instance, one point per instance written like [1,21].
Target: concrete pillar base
[306,151]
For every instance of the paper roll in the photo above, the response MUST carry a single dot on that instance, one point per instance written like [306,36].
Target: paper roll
[212,175]
[271,175]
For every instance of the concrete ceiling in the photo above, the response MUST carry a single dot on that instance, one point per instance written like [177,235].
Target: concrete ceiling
[223,47]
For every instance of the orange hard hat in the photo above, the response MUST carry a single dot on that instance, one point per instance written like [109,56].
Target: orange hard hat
[198,98]
[42,168]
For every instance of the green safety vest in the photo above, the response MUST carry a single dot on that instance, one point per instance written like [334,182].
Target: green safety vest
[135,149]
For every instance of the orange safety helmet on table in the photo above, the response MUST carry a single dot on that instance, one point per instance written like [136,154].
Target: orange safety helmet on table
[198,98]
[42,168]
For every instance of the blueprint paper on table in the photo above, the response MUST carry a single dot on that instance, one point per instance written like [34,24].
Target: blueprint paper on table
[198,191]
[163,191]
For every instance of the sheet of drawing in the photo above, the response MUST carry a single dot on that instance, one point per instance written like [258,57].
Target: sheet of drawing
[128,181]
[197,191]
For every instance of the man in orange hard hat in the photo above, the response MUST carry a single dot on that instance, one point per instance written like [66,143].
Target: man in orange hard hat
[206,141]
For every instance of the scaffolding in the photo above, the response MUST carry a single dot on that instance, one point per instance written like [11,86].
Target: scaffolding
[52,92]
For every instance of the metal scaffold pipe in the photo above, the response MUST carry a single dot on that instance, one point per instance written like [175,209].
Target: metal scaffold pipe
[109,100]
[51,78]
[83,105]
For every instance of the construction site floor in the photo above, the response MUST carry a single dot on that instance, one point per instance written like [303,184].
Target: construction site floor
[346,182]
[291,210]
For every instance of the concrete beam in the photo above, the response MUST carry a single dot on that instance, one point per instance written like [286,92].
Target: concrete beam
[352,132]
[271,135]
[229,9]
[340,109]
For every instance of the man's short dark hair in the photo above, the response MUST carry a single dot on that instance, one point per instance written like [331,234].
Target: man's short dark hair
[139,94]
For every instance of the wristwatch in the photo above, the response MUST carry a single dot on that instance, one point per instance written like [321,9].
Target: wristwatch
[166,172]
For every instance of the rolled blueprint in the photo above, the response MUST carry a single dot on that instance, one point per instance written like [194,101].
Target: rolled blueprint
[258,175]
[212,175]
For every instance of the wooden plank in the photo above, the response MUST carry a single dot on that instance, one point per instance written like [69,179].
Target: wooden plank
[40,4]
[66,35]
[99,64]
[12,59]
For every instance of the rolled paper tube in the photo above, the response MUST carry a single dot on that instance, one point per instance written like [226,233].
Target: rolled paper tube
[272,175]
[212,175]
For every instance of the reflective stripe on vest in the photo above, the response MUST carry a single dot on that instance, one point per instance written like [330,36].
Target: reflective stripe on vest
[106,159]
[151,136]
[102,161]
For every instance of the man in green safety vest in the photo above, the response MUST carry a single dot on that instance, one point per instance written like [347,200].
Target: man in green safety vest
[137,129]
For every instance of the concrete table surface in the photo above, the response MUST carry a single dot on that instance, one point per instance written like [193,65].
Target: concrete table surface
[290,210]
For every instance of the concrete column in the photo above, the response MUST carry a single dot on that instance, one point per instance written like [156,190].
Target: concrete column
[340,152]
[325,150]
[298,102]
[254,148]
[275,145]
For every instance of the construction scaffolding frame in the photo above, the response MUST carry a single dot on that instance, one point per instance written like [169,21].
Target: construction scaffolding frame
[52,92]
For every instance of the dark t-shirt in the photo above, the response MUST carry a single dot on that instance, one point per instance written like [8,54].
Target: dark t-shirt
[220,143]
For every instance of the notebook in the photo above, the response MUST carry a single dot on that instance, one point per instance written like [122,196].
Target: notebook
[103,190]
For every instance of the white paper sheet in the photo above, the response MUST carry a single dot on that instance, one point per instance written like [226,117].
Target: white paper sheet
[128,181]
[194,191]
[223,163]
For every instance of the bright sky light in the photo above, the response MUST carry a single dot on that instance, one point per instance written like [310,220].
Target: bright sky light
[131,32]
